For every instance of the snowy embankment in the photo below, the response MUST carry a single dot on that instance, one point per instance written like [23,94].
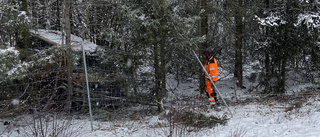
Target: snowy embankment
[276,116]
[274,120]
[250,120]
[252,117]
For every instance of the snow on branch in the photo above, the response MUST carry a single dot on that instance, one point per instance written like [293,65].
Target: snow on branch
[272,20]
[9,50]
[312,20]
[10,65]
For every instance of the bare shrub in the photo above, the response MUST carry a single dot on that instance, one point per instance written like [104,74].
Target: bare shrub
[239,132]
[46,124]
[182,122]
[295,106]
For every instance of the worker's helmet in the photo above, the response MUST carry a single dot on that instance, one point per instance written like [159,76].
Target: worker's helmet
[206,54]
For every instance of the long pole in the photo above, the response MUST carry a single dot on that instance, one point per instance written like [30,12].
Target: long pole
[87,83]
[216,89]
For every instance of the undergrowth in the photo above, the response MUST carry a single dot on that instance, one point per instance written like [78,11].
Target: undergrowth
[193,119]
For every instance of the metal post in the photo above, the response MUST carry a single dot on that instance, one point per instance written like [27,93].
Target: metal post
[87,83]
[216,89]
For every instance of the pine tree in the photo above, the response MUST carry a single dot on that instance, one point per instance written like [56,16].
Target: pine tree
[164,33]
[285,41]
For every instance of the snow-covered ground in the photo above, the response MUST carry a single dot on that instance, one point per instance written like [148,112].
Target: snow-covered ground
[289,116]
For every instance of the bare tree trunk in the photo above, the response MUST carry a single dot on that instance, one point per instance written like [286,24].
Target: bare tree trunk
[163,72]
[267,59]
[57,25]
[157,71]
[282,76]
[203,30]
[238,70]
[67,30]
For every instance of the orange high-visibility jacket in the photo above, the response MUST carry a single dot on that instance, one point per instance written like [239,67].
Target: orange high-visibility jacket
[212,68]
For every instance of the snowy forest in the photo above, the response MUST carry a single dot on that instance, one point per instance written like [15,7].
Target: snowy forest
[135,59]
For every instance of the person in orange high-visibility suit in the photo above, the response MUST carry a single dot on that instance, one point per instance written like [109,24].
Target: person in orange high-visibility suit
[211,67]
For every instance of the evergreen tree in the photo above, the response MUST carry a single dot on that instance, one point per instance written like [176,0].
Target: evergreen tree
[161,32]
[14,23]
[284,41]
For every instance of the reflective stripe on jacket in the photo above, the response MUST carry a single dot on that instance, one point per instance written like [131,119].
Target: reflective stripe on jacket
[212,68]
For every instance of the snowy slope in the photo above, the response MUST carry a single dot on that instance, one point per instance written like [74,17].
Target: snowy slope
[290,116]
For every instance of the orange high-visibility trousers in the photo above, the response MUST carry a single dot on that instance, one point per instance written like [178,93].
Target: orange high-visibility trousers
[210,92]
